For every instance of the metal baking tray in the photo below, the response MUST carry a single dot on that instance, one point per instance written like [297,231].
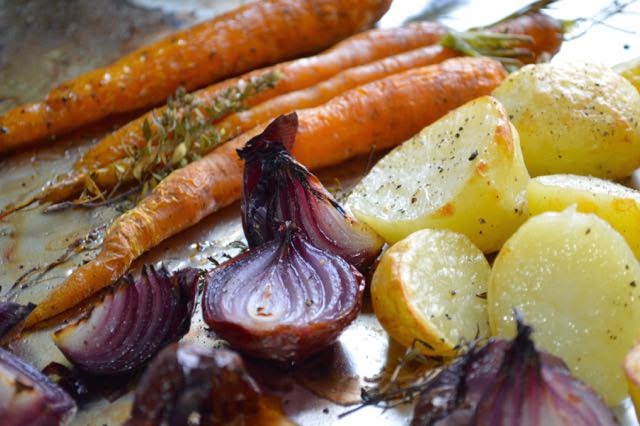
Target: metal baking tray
[44,42]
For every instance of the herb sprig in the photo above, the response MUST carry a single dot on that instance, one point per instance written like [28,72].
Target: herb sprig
[184,131]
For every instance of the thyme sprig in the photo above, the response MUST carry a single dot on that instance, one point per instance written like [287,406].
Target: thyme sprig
[184,131]
[181,133]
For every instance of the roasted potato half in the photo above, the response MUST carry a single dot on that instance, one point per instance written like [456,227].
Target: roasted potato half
[577,282]
[464,173]
[574,118]
[431,287]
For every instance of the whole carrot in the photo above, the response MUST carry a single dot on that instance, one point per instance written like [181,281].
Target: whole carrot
[257,34]
[120,172]
[293,75]
[545,39]
[102,164]
[238,123]
[370,117]
[544,31]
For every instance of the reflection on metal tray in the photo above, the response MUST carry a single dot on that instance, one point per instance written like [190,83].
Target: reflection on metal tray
[44,42]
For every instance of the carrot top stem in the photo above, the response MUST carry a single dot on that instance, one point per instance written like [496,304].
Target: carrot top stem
[505,48]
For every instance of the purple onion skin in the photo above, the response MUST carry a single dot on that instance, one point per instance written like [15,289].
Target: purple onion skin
[284,300]
[510,383]
[132,323]
[184,379]
[12,316]
[277,189]
[29,398]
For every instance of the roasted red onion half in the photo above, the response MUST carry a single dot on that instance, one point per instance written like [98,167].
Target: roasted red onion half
[283,300]
[510,383]
[278,189]
[12,316]
[28,397]
[131,323]
[194,385]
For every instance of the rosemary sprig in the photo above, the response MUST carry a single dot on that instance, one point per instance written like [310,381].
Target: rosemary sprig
[89,242]
[411,375]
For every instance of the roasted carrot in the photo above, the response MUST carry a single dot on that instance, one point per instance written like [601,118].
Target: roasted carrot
[103,162]
[370,117]
[294,75]
[238,123]
[545,33]
[260,33]
[119,172]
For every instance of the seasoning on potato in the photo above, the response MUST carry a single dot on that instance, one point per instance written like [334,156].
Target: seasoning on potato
[464,173]
[615,203]
[431,287]
[577,282]
[574,118]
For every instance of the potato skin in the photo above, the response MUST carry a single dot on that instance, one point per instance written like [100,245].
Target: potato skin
[632,371]
[631,71]
[390,303]
[574,118]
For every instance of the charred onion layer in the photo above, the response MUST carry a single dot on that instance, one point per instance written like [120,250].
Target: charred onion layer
[12,316]
[131,323]
[191,384]
[277,189]
[283,300]
[510,383]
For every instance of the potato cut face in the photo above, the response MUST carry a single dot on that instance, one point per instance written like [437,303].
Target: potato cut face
[615,203]
[464,173]
[574,118]
[577,282]
[432,286]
